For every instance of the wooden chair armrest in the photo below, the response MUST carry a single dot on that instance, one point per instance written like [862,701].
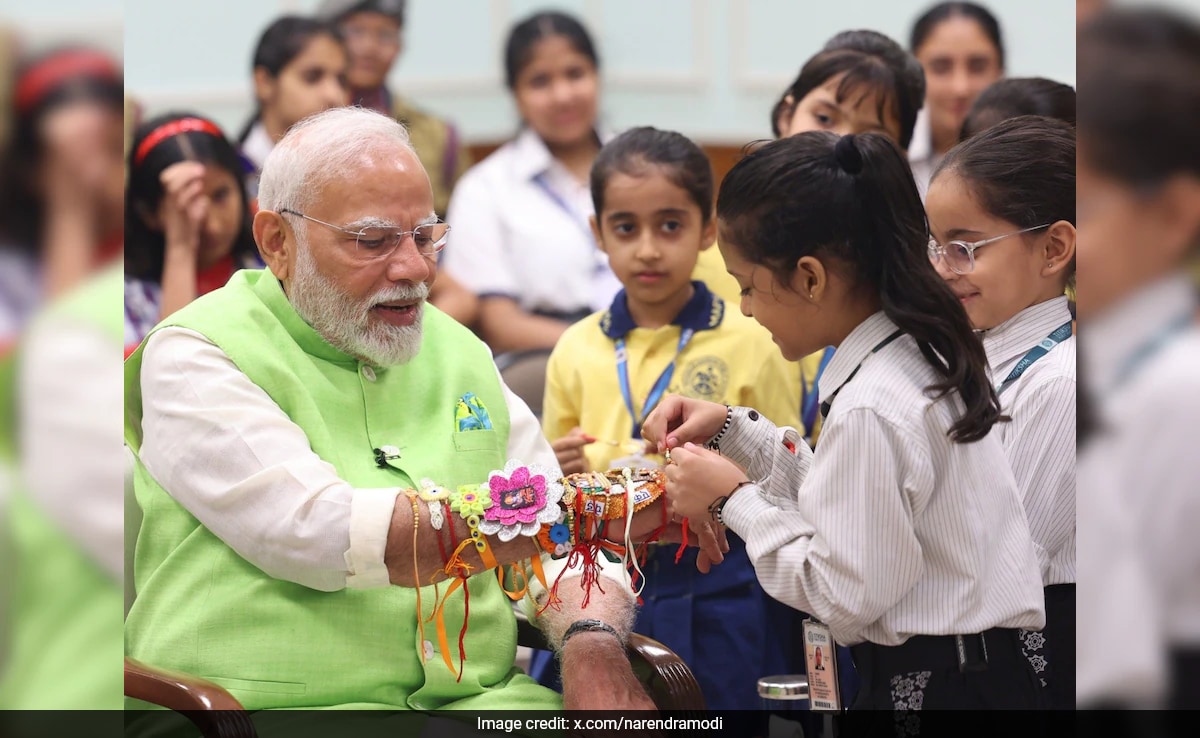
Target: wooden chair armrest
[212,709]
[667,679]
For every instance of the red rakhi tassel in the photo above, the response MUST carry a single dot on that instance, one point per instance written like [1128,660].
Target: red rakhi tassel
[462,634]
[683,546]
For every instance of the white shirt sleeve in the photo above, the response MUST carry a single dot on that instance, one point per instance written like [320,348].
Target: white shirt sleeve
[848,552]
[225,451]
[475,254]
[73,467]
[757,445]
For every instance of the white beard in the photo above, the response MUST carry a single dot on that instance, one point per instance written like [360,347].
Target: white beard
[348,324]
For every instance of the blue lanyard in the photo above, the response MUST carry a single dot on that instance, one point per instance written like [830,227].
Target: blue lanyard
[660,386]
[1150,348]
[580,220]
[808,397]
[828,404]
[1060,334]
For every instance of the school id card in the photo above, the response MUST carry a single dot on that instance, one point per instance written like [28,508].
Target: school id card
[820,656]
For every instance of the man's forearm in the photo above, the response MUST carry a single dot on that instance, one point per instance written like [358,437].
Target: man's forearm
[429,562]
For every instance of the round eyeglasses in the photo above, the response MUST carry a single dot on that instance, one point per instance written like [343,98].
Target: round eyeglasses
[960,255]
[379,242]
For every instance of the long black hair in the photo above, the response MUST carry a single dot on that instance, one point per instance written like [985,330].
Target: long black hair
[1151,56]
[853,199]
[675,155]
[144,246]
[279,45]
[1017,96]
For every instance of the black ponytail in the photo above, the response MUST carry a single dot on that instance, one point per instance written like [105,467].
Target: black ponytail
[853,199]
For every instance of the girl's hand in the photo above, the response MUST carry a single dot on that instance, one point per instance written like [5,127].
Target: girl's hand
[678,420]
[696,478]
[184,206]
[569,451]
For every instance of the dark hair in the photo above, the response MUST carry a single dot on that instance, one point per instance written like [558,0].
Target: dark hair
[871,62]
[676,156]
[144,247]
[1138,94]
[1010,98]
[279,45]
[526,34]
[83,74]
[1021,170]
[853,198]
[933,17]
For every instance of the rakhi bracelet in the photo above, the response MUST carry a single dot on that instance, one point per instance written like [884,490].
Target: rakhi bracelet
[714,442]
[604,495]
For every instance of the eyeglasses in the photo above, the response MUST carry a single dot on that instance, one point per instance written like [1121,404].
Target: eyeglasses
[380,242]
[960,255]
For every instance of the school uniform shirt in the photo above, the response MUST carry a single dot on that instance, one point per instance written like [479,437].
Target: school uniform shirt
[143,297]
[890,530]
[519,229]
[1139,475]
[729,359]
[722,624]
[1040,438]
[255,149]
[921,157]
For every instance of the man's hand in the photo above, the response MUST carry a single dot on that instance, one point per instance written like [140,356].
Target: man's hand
[569,451]
[596,675]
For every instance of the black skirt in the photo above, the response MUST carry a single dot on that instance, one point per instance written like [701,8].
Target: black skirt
[983,671]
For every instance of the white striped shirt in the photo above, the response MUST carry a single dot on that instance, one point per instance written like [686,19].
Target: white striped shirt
[1040,439]
[1139,512]
[890,530]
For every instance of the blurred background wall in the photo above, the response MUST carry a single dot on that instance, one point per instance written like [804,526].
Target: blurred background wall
[708,68]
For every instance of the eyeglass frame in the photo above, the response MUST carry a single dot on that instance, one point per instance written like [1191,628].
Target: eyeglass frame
[937,251]
[359,234]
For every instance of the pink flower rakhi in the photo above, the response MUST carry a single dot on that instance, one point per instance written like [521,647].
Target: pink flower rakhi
[524,497]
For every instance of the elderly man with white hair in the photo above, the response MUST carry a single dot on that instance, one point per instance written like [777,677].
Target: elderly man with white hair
[282,426]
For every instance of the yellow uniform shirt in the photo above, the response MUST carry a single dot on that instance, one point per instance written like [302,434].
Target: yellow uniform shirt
[710,269]
[729,359]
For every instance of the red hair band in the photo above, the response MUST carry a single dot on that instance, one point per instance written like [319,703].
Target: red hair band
[50,73]
[172,129]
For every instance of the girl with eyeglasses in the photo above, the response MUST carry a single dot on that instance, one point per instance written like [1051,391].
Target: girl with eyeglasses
[1001,210]
[903,532]
[187,219]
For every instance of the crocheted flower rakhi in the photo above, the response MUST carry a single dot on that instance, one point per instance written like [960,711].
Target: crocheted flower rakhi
[470,500]
[524,497]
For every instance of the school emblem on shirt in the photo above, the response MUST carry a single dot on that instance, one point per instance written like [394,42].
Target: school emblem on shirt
[706,378]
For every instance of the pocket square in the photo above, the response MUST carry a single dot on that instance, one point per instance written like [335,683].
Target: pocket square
[471,414]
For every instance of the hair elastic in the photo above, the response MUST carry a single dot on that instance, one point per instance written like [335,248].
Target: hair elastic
[172,129]
[849,158]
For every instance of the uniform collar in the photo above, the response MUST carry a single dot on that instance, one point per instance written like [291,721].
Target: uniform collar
[1019,333]
[703,312]
[1113,338]
[921,146]
[531,156]
[258,145]
[854,351]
